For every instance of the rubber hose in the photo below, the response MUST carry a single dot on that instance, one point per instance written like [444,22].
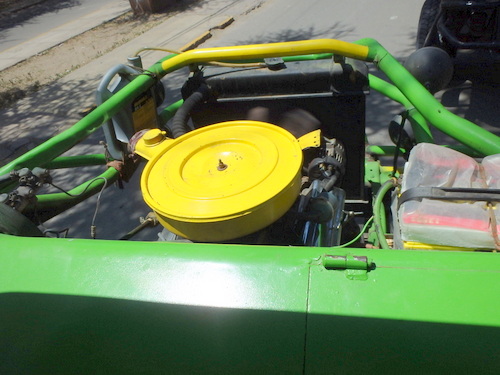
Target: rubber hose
[179,122]
[5,178]
[377,205]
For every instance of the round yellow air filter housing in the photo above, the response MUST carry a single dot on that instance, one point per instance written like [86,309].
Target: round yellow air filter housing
[222,181]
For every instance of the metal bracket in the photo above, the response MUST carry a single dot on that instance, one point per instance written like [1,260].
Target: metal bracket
[356,267]
[345,262]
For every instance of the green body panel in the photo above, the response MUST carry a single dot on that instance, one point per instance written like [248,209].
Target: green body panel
[234,309]
[139,307]
[415,312]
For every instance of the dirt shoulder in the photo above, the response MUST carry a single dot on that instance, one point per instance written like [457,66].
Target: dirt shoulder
[30,75]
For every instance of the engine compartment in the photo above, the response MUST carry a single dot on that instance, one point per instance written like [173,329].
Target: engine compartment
[321,104]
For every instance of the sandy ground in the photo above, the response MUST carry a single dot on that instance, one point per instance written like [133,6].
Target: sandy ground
[30,75]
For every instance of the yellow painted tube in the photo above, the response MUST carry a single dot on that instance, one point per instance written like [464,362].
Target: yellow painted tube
[257,51]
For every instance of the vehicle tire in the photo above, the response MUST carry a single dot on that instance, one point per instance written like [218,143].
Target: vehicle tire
[428,15]
[14,223]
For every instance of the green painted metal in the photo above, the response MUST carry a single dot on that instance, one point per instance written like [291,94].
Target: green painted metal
[49,205]
[180,307]
[379,217]
[76,161]
[192,274]
[376,174]
[316,56]
[421,130]
[461,129]
[417,312]
[372,173]
[169,111]
[149,307]
[377,150]
[383,150]
[380,180]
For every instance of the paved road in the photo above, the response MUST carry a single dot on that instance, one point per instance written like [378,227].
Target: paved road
[50,23]
[392,22]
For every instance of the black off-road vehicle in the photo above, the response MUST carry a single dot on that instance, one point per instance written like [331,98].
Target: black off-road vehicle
[469,31]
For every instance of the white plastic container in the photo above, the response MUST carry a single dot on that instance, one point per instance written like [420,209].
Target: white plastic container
[463,224]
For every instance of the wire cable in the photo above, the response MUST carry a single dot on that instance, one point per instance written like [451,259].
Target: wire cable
[93,227]
[404,117]
[84,190]
[363,230]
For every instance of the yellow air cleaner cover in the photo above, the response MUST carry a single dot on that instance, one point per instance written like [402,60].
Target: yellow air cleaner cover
[222,181]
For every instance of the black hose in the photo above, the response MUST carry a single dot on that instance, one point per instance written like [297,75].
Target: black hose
[179,122]
[6,178]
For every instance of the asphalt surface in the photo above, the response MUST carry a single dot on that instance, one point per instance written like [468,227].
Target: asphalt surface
[32,30]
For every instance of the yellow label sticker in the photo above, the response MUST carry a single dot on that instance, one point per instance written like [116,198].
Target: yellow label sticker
[144,112]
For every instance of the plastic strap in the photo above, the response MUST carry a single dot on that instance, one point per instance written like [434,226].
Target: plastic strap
[450,194]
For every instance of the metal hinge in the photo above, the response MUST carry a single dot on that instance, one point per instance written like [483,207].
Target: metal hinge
[356,266]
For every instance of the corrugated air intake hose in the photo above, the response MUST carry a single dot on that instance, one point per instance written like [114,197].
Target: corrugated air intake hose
[179,122]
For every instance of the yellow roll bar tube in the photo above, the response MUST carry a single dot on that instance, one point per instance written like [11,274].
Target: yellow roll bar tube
[261,51]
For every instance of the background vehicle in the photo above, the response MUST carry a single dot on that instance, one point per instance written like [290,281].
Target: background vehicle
[467,30]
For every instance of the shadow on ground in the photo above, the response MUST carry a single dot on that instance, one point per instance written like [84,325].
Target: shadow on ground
[336,31]
[15,17]
[42,115]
